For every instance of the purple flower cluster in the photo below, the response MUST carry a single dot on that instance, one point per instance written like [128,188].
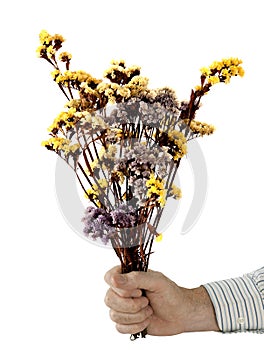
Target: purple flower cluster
[100,224]
[140,161]
[166,97]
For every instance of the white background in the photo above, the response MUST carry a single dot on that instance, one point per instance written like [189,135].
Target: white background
[52,287]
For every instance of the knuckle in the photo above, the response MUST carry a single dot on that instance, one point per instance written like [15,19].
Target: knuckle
[134,275]
[148,311]
[126,319]
[135,306]
[144,302]
[144,314]
[158,274]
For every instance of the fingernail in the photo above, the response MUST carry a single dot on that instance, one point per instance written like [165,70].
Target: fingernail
[121,279]
[136,294]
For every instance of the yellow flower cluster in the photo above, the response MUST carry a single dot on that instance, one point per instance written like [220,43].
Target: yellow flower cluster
[137,85]
[95,163]
[125,82]
[116,93]
[49,44]
[180,141]
[103,155]
[74,103]
[118,72]
[91,121]
[76,78]
[94,191]
[113,91]
[91,86]
[65,56]
[156,188]
[65,119]
[60,144]
[222,71]
[201,128]
[175,192]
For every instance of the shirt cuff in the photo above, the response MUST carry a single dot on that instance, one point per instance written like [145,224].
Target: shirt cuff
[239,302]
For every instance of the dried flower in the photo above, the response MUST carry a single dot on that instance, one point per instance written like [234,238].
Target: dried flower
[125,141]
[175,192]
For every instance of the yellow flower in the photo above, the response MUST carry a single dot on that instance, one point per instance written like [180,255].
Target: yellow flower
[205,71]
[179,155]
[175,192]
[102,183]
[45,143]
[50,52]
[137,84]
[102,152]
[233,70]
[65,56]
[132,70]
[180,141]
[201,128]
[91,193]
[123,91]
[213,79]
[55,73]
[58,37]
[69,75]
[94,191]
[159,237]
[45,37]
[162,198]
[57,144]
[226,62]
[74,147]
[198,88]
[236,61]
[241,71]
[41,51]
[156,188]
[216,65]
[75,103]
[222,71]
[225,72]
[227,79]
[59,79]
[118,62]
[64,119]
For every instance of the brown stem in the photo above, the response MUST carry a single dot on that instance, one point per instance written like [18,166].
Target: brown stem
[60,86]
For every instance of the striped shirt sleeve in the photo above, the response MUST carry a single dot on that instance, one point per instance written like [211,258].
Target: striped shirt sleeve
[239,302]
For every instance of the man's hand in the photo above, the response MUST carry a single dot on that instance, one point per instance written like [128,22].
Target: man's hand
[167,309]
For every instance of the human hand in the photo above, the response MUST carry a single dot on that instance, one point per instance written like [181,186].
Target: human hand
[167,309]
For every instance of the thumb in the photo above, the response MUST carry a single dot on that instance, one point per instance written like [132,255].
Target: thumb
[150,281]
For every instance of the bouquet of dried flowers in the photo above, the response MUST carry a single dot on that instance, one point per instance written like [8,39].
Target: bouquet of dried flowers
[124,141]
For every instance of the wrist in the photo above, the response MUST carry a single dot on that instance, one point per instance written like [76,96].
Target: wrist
[200,313]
